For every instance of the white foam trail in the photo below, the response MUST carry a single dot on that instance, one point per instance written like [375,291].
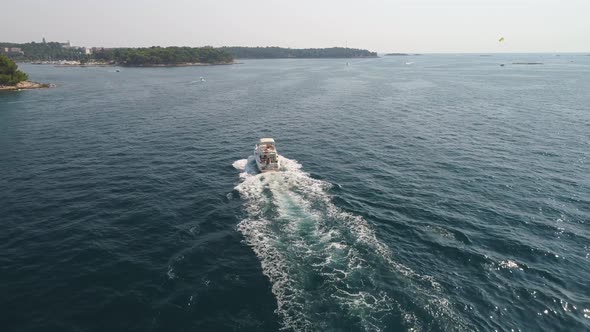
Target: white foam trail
[320,259]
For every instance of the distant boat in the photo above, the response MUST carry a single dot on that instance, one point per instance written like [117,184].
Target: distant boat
[501,65]
[267,158]
[202,79]
[409,63]
[117,71]
[348,64]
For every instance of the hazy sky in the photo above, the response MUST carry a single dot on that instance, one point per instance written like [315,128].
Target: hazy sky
[378,25]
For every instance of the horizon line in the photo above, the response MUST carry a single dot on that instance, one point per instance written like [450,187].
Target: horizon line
[325,47]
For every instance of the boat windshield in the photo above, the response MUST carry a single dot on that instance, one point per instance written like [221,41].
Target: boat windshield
[266,147]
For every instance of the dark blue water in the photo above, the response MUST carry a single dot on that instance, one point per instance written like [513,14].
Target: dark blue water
[446,194]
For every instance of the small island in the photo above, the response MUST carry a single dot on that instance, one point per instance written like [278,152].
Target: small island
[13,79]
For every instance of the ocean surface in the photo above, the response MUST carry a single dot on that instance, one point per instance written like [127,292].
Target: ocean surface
[420,193]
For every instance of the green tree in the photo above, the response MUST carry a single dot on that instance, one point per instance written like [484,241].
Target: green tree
[9,73]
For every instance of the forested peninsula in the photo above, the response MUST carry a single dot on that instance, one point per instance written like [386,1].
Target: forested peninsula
[283,53]
[58,53]
[162,56]
[146,56]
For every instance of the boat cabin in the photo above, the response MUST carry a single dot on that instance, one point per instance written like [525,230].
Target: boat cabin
[266,155]
[267,145]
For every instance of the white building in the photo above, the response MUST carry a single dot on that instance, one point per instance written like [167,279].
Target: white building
[12,50]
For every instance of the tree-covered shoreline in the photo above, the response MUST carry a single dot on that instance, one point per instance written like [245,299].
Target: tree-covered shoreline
[44,52]
[274,52]
[142,56]
[9,73]
[155,55]
[169,56]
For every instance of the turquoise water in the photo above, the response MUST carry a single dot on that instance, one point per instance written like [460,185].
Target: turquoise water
[424,193]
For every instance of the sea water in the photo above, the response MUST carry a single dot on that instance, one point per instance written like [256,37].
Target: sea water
[423,193]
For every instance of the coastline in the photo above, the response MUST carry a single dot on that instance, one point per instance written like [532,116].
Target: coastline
[195,64]
[26,85]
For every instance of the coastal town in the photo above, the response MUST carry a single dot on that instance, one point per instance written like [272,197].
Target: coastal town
[45,53]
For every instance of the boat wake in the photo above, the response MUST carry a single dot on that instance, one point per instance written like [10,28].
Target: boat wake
[327,268]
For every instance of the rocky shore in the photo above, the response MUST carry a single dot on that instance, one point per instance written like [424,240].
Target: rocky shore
[26,85]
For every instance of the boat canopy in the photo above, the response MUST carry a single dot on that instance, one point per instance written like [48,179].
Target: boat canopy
[267,140]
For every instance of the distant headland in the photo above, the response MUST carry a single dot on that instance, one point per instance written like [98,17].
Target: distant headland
[65,54]
[400,54]
[274,52]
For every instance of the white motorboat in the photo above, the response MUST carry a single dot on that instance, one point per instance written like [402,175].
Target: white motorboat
[266,155]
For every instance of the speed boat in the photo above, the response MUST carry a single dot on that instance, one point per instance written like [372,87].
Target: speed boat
[267,158]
